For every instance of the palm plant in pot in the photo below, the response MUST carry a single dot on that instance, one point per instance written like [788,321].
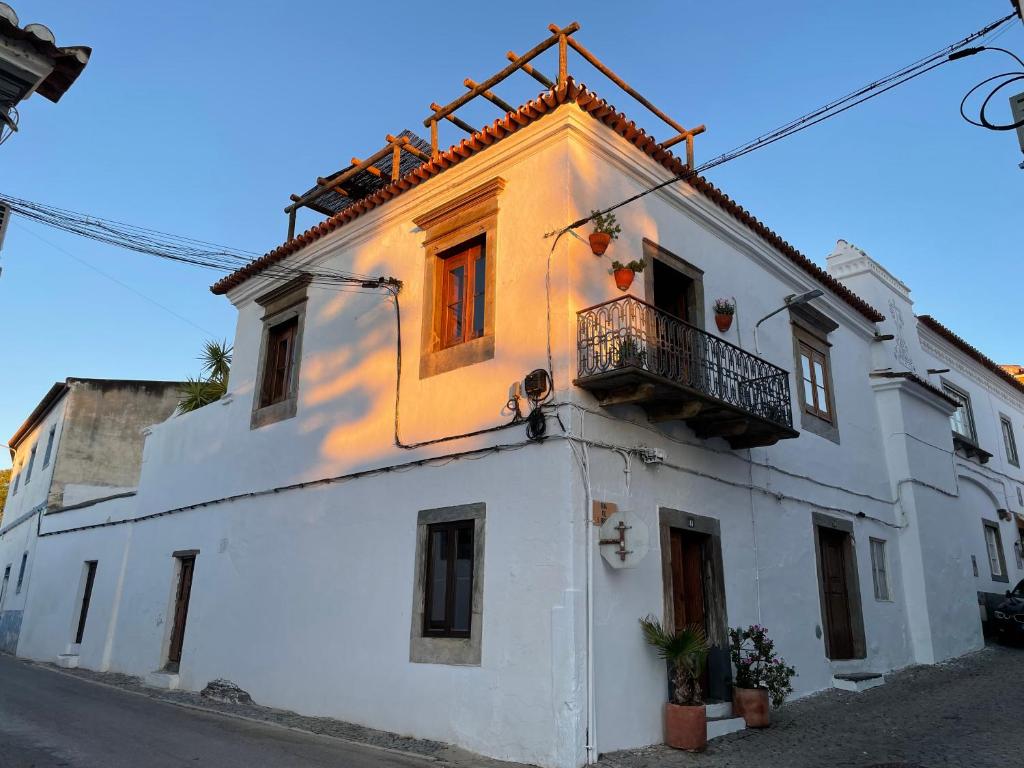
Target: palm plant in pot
[760,675]
[686,651]
[606,229]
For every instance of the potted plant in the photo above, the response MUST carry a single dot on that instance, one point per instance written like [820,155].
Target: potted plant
[624,273]
[760,675]
[725,309]
[605,230]
[686,650]
[629,351]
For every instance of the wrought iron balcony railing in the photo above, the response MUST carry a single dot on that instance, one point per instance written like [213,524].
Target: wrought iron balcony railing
[629,345]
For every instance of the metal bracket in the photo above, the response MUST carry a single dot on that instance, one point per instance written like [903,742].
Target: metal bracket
[620,541]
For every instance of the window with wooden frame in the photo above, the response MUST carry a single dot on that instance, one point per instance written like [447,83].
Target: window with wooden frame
[880,570]
[1009,441]
[277,382]
[49,446]
[459,274]
[21,573]
[813,364]
[994,550]
[446,624]
[463,296]
[815,385]
[31,464]
[279,362]
[962,420]
[448,593]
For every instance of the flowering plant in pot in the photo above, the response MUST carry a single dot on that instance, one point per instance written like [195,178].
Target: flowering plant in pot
[606,229]
[724,311]
[686,651]
[760,675]
[624,273]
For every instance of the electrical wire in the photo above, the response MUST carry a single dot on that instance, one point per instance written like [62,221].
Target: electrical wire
[825,112]
[1003,79]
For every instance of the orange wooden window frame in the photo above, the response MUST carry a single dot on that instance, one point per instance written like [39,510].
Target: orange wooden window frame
[471,257]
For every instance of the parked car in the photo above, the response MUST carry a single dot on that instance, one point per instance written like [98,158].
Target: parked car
[1009,615]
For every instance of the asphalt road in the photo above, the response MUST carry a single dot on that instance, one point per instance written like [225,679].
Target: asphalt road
[49,719]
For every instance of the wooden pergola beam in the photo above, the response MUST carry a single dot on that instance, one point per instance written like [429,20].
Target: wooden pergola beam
[531,71]
[495,79]
[457,121]
[500,103]
[341,178]
[684,134]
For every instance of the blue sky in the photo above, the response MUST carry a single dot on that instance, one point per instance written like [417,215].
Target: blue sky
[201,118]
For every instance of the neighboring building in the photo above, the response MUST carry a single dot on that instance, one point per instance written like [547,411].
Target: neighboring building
[330,533]
[31,62]
[81,447]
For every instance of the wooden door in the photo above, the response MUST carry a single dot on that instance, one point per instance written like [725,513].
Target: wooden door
[838,625]
[687,559]
[181,609]
[673,294]
[90,579]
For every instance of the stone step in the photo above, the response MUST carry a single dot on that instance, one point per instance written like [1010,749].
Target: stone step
[722,726]
[858,681]
[67,660]
[718,709]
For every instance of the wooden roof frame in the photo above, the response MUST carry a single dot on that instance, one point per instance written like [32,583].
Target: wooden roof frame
[560,36]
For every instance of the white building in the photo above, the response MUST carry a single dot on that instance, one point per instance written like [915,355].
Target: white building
[80,448]
[298,524]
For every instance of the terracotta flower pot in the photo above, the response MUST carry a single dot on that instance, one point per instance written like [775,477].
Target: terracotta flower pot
[624,278]
[686,727]
[723,321]
[599,242]
[752,705]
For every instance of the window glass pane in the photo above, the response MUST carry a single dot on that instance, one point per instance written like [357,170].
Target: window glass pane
[463,580]
[479,295]
[1009,441]
[456,306]
[805,364]
[438,576]
[992,540]
[879,572]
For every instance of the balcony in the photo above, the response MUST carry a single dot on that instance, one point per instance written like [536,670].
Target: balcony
[632,352]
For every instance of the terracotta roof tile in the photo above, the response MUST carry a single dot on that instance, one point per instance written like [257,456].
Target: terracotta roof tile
[971,351]
[548,101]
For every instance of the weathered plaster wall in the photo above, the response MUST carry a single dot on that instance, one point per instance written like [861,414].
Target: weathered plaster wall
[102,438]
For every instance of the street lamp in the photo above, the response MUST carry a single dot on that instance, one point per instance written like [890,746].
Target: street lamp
[790,301]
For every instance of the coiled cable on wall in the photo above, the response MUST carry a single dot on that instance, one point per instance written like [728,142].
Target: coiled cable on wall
[1001,81]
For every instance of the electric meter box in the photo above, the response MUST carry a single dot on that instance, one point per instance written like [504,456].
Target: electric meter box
[1017,108]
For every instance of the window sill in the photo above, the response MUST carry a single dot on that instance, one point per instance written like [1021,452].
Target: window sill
[819,426]
[453,651]
[1001,579]
[270,414]
[969,449]
[458,356]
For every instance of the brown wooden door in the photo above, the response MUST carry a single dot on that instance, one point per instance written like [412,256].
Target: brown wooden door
[687,558]
[188,565]
[839,627]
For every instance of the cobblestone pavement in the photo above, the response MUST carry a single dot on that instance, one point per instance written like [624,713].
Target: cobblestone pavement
[965,713]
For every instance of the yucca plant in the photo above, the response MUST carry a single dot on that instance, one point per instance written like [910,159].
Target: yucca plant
[213,385]
[686,651]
